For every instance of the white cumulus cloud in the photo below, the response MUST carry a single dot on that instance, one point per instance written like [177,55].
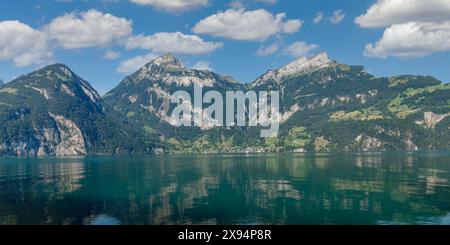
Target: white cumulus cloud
[298,49]
[239,24]
[318,18]
[111,55]
[388,12]
[173,5]
[172,42]
[410,40]
[414,28]
[134,64]
[337,17]
[265,50]
[23,44]
[88,29]
[202,66]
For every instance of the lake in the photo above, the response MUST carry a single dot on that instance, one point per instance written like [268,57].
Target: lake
[377,188]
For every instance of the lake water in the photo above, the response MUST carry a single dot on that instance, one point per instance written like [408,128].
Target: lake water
[385,188]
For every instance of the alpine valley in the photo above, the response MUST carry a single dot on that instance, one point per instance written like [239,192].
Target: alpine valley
[326,106]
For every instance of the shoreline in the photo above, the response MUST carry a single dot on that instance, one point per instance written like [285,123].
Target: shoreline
[400,153]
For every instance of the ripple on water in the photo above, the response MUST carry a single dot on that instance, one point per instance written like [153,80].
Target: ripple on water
[101,219]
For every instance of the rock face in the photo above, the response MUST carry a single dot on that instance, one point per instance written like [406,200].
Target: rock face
[302,65]
[168,70]
[168,61]
[71,140]
[1,82]
[368,143]
[431,120]
[65,139]
[53,112]
[409,143]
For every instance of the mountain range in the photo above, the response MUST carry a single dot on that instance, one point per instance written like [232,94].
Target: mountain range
[325,106]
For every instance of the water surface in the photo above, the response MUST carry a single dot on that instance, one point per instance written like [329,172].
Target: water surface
[387,188]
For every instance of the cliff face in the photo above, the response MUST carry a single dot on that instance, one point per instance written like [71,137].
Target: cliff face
[65,139]
[71,140]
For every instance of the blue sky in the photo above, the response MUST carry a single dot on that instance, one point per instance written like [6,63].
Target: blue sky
[35,33]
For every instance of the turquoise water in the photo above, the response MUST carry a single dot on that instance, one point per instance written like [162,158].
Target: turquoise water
[387,188]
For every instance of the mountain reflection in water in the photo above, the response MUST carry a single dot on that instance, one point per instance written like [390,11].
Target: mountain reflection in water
[385,188]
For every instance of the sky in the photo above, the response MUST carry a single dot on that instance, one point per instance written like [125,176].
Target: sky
[105,40]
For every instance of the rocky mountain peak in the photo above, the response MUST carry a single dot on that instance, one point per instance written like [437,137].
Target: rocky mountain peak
[299,66]
[168,60]
[160,67]
[60,71]
[303,64]
[64,70]
[53,80]
[168,70]
[1,82]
